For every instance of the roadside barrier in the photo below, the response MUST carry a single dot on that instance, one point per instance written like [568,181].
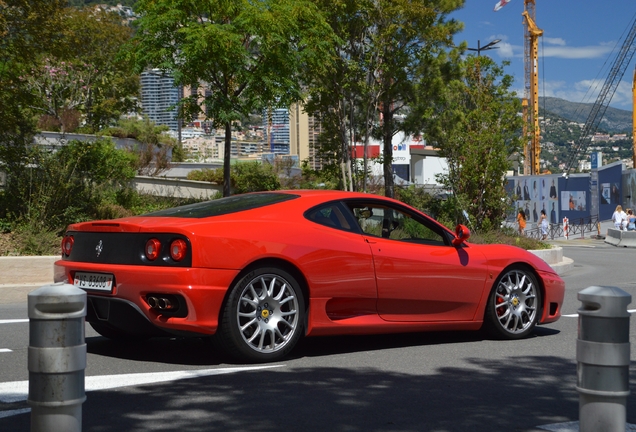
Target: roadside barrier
[572,227]
[621,238]
[56,357]
[602,355]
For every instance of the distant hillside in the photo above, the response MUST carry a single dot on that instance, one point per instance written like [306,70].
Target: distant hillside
[614,120]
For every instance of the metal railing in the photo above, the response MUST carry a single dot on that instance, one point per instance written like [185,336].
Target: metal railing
[578,226]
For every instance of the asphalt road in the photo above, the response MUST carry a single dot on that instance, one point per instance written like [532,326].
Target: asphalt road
[411,382]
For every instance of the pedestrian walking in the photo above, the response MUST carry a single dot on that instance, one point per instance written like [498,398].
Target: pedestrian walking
[521,220]
[544,225]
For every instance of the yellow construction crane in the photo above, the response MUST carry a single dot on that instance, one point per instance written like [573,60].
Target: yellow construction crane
[530,101]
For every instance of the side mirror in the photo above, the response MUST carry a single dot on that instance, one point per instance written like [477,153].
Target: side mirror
[462,233]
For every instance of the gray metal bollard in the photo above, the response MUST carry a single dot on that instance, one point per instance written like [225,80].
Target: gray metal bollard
[57,357]
[602,354]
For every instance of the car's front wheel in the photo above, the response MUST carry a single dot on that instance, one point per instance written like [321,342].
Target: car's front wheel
[263,317]
[514,304]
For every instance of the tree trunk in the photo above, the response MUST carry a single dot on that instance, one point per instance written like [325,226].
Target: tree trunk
[387,138]
[346,155]
[226,159]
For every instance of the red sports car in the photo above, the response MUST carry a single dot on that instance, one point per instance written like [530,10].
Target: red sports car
[259,271]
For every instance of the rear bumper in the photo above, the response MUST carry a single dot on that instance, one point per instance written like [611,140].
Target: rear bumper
[201,293]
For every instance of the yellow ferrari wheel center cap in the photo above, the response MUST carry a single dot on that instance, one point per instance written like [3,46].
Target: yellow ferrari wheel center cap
[265,313]
[515,301]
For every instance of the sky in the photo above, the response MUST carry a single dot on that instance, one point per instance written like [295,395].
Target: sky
[580,41]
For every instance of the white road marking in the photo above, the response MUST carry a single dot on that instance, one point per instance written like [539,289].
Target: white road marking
[17,391]
[13,321]
[14,412]
[576,314]
[574,427]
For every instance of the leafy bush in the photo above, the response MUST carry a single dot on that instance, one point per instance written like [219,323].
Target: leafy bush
[129,202]
[244,176]
[207,175]
[151,156]
[5,226]
[35,241]
[254,177]
[48,190]
[507,236]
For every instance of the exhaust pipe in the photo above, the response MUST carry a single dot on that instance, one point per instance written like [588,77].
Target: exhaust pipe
[164,303]
[161,303]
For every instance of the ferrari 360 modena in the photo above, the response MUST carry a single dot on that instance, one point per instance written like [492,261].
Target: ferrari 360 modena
[256,272]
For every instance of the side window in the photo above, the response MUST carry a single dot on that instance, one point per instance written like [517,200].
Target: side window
[370,219]
[391,223]
[329,215]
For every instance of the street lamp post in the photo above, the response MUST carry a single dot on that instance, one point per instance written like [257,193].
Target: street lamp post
[488,46]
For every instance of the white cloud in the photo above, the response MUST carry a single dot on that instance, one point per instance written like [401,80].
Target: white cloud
[556,48]
[567,52]
[554,41]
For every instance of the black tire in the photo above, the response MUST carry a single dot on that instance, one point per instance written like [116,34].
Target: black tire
[115,334]
[514,304]
[263,317]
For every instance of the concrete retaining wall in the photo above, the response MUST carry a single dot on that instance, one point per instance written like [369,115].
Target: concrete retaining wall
[551,256]
[555,259]
[27,269]
[621,238]
[160,186]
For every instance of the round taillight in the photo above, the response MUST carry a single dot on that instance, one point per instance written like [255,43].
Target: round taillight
[153,247]
[67,245]
[178,249]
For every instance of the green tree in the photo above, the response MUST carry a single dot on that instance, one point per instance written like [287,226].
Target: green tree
[390,50]
[476,128]
[27,29]
[250,55]
[84,80]
[412,37]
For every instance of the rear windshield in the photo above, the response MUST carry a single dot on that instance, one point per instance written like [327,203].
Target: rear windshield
[225,205]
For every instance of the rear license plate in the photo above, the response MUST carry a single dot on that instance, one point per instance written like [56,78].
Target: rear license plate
[94,281]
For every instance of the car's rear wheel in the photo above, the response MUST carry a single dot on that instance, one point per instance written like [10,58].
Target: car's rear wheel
[514,304]
[263,317]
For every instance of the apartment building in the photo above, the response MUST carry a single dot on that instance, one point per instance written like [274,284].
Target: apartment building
[303,136]
[159,97]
